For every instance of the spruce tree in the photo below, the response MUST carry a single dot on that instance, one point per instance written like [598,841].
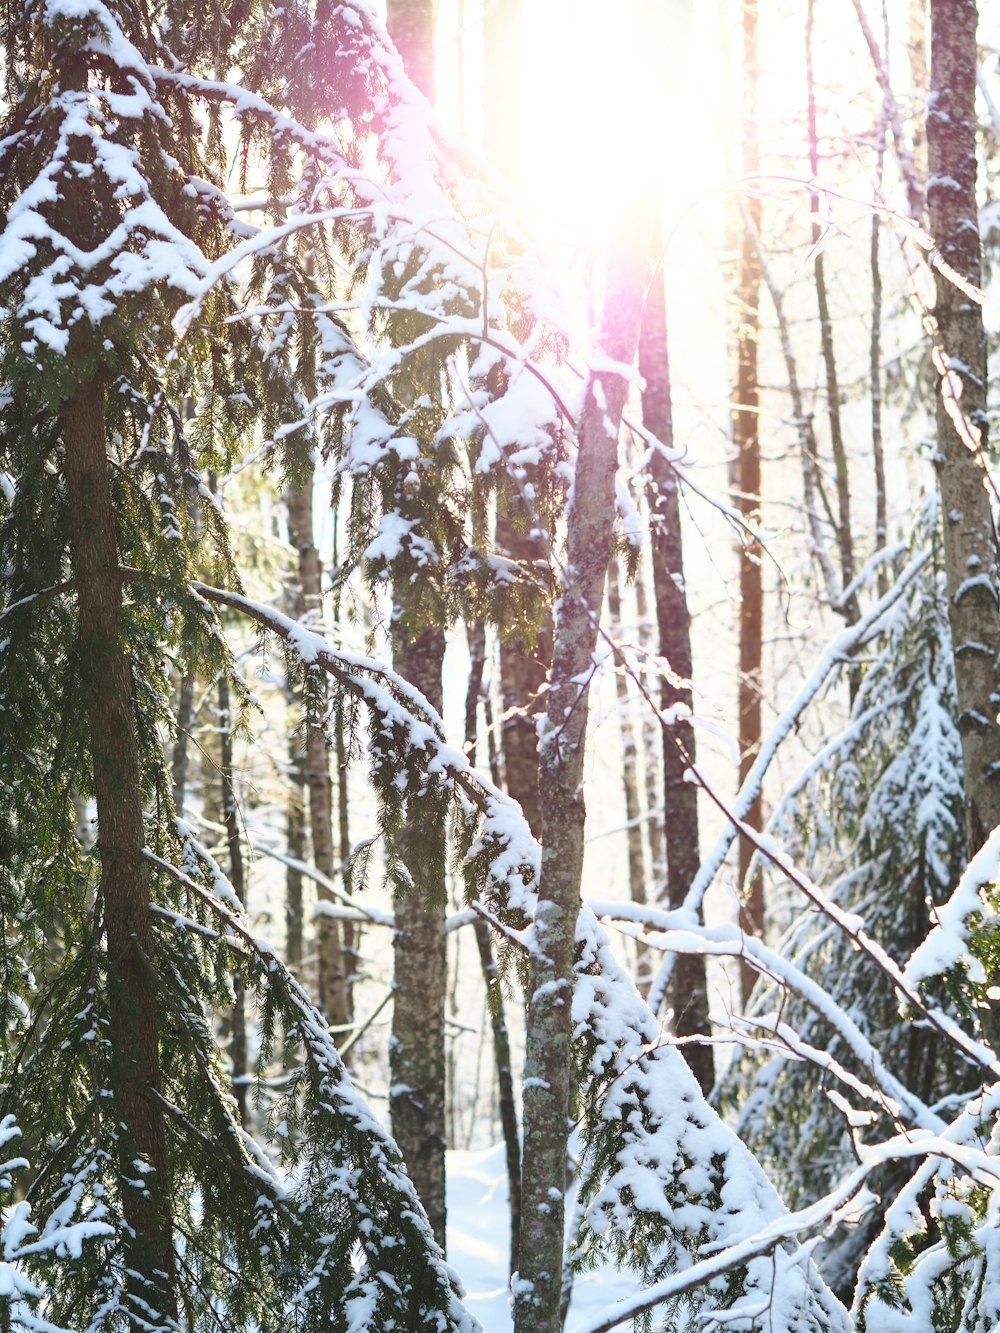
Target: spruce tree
[877,821]
[113,212]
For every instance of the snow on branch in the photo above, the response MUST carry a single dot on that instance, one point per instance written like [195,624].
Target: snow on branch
[729,941]
[350,1167]
[505,848]
[975,900]
[664,1180]
[837,651]
[22,1241]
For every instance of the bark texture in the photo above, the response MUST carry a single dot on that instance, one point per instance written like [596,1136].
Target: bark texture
[748,487]
[524,663]
[238,1047]
[523,672]
[125,893]
[630,752]
[417,1066]
[875,374]
[970,544]
[296,827]
[845,540]
[335,984]
[688,994]
[417,1103]
[184,721]
[548,1060]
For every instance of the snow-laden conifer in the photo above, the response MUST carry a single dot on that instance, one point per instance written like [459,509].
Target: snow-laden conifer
[876,818]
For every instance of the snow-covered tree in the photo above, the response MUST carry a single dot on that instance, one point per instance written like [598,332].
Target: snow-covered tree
[877,820]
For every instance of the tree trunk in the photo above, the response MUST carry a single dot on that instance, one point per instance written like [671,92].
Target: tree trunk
[688,994]
[334,985]
[179,758]
[125,894]
[417,1067]
[630,756]
[411,25]
[494,991]
[523,664]
[652,737]
[417,1103]
[296,829]
[845,541]
[238,1050]
[523,672]
[748,488]
[970,545]
[875,370]
[548,1043]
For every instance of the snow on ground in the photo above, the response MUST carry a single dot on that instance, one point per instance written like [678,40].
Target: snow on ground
[479,1244]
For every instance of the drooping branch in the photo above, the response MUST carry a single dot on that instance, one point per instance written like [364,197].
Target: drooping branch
[514,856]
[839,650]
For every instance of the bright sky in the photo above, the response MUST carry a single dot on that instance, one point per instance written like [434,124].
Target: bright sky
[605,101]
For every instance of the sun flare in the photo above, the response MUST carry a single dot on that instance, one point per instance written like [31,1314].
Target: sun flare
[606,106]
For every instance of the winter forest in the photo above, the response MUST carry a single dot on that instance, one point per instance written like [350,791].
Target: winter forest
[499,666]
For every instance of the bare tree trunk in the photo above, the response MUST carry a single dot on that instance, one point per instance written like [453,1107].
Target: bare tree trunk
[970,545]
[523,672]
[184,720]
[652,742]
[875,371]
[630,764]
[417,1103]
[748,488]
[845,542]
[548,1045]
[351,932]
[411,25]
[334,985]
[125,894]
[652,745]
[688,994]
[238,1050]
[417,1067]
[296,833]
[498,1017]
[920,83]
[524,663]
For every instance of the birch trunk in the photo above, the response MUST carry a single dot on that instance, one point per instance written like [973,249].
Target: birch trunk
[125,893]
[548,1045]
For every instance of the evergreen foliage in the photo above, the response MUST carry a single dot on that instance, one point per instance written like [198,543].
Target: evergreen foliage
[665,1182]
[114,216]
[376,318]
[877,820]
